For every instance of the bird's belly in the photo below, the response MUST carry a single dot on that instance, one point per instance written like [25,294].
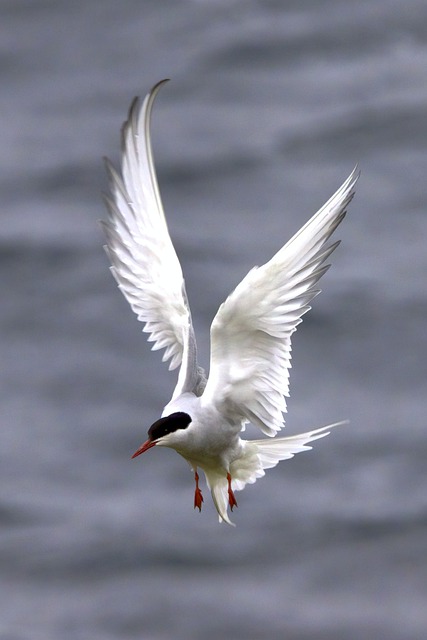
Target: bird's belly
[211,448]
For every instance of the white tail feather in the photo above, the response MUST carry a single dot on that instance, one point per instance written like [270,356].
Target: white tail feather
[218,485]
[257,456]
[270,452]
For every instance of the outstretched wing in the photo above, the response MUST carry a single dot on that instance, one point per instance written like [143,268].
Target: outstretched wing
[144,261]
[251,333]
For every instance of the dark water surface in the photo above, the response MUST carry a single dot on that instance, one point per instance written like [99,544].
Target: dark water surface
[271,105]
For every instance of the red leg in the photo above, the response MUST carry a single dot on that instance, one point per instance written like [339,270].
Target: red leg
[231,499]
[198,498]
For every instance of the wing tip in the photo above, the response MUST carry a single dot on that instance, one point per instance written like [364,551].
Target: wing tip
[135,109]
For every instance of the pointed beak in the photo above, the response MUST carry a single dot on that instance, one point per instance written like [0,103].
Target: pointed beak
[144,447]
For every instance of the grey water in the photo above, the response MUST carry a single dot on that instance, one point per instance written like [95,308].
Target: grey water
[271,105]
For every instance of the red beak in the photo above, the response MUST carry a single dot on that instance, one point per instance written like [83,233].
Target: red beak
[144,447]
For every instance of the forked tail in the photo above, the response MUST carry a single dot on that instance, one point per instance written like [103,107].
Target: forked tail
[257,456]
[271,451]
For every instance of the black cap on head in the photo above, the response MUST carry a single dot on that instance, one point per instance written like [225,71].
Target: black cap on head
[168,424]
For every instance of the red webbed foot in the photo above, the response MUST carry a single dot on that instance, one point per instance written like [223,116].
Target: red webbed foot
[231,497]
[198,498]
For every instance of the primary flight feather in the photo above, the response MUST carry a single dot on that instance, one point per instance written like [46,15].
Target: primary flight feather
[250,334]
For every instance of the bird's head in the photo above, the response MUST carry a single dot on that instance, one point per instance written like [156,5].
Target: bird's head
[164,431]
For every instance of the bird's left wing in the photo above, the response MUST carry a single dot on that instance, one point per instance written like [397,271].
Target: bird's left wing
[251,333]
[144,261]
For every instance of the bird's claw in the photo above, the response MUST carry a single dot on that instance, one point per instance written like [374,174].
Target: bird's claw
[231,497]
[198,498]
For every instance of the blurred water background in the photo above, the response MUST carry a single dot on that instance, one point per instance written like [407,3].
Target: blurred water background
[271,105]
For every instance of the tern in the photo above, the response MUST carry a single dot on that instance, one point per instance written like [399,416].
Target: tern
[250,335]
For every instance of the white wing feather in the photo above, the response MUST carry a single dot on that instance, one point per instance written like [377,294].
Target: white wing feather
[251,333]
[144,261]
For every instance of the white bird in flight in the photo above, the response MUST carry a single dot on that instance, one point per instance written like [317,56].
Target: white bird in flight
[250,334]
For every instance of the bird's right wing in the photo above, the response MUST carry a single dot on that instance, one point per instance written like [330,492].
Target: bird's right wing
[144,261]
[251,333]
